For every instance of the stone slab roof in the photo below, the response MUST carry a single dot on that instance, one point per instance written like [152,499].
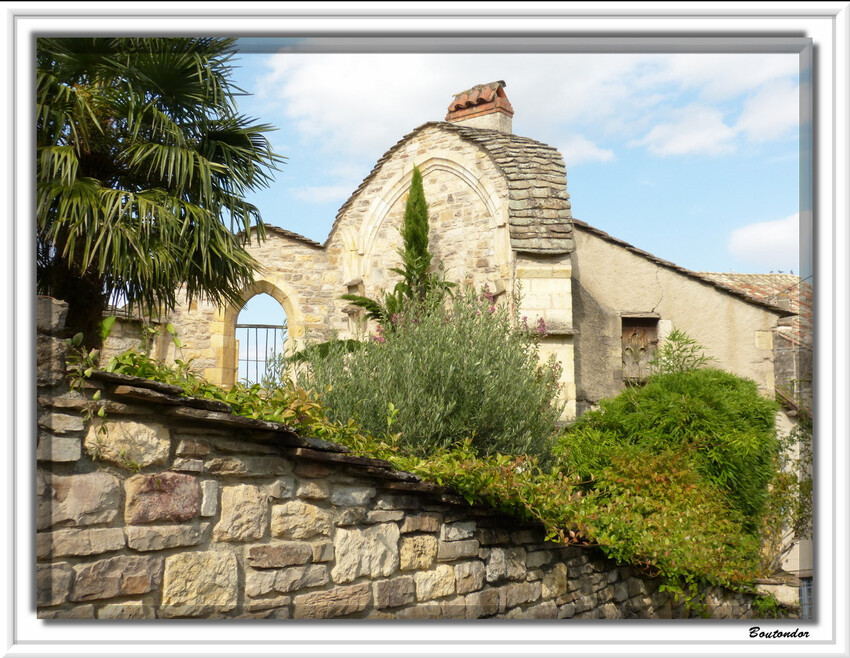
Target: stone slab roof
[293,235]
[702,277]
[539,214]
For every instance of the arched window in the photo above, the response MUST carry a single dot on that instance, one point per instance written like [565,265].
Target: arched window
[261,334]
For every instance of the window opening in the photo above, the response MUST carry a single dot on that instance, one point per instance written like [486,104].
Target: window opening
[640,342]
[807,602]
[260,336]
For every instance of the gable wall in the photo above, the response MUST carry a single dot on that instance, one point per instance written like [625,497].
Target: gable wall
[609,280]
[467,198]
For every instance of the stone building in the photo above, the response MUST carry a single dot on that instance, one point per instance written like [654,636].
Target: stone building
[499,216]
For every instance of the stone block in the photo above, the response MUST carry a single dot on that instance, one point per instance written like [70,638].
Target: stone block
[161,497]
[117,576]
[85,541]
[434,583]
[336,602]
[282,489]
[58,448]
[299,520]
[491,536]
[469,576]
[248,467]
[50,361]
[83,499]
[199,584]
[244,514]
[277,556]
[313,490]
[350,516]
[262,583]
[128,443]
[157,538]
[384,516]
[188,465]
[52,583]
[425,522]
[457,531]
[536,559]
[555,581]
[193,448]
[126,610]
[60,423]
[506,563]
[241,447]
[519,593]
[50,314]
[453,550]
[546,610]
[393,593]
[255,605]
[482,604]
[586,602]
[209,497]
[371,551]
[352,496]
[417,552]
[85,611]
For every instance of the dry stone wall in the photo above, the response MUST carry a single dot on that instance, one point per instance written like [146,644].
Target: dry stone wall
[177,508]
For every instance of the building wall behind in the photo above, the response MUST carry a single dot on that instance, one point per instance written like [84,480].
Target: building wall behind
[610,281]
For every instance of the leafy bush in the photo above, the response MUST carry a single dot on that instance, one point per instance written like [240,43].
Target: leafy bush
[678,353]
[718,419]
[449,371]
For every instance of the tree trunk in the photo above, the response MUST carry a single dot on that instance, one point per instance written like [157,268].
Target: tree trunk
[86,303]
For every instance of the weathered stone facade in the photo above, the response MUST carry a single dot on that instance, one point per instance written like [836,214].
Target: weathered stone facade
[499,216]
[245,519]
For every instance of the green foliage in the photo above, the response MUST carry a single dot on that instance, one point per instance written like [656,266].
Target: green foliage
[678,353]
[141,171]
[717,419]
[654,513]
[766,606]
[418,282]
[679,523]
[463,369]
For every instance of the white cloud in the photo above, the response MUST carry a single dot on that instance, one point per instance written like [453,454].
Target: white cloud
[771,113]
[354,106]
[693,130]
[577,149]
[773,245]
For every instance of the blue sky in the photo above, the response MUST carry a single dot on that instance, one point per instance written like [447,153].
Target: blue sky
[692,157]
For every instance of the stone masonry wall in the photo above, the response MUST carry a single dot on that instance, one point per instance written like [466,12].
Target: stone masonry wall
[177,508]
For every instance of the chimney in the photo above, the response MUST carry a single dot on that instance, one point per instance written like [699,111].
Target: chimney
[483,106]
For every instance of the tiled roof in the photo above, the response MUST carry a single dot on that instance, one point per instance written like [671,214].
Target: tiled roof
[539,209]
[786,290]
[490,93]
[699,276]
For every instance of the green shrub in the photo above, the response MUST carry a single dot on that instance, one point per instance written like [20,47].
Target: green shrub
[451,370]
[720,419]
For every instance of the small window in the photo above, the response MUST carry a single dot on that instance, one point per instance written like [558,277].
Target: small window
[640,341]
[807,602]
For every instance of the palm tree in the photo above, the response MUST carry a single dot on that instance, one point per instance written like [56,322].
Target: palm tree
[142,167]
